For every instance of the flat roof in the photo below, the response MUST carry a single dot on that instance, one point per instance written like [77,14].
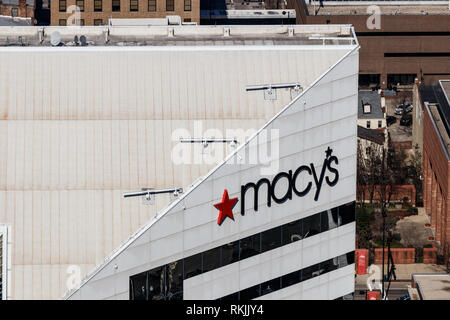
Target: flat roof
[186,35]
[433,286]
[352,9]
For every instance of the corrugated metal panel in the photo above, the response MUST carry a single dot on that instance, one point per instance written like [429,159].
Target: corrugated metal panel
[79,128]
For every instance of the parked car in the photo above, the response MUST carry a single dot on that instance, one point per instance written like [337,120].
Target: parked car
[408,109]
[390,120]
[406,120]
[400,109]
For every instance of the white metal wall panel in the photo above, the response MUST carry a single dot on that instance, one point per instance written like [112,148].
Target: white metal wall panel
[325,115]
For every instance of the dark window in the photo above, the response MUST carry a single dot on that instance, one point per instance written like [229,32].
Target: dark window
[233,296]
[138,287]
[291,278]
[328,219]
[368,124]
[193,266]
[402,79]
[329,265]
[151,5]
[347,213]
[292,232]
[97,5]
[134,5]
[369,80]
[211,259]
[379,123]
[187,20]
[156,283]
[250,293]
[170,5]
[270,286]
[14,12]
[115,5]
[80,5]
[250,246]
[81,22]
[230,253]
[311,225]
[187,5]
[97,22]
[62,22]
[174,280]
[270,239]
[62,5]
[346,259]
[310,272]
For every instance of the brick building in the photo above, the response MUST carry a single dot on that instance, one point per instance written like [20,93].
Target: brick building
[17,8]
[436,161]
[97,12]
[411,40]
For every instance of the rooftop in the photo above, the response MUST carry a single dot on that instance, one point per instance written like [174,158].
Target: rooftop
[352,9]
[432,286]
[436,96]
[374,99]
[179,35]
[374,135]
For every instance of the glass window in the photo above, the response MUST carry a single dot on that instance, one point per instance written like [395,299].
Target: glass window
[193,266]
[310,272]
[379,123]
[187,19]
[346,259]
[174,280]
[211,259]
[230,253]
[250,293]
[170,5]
[151,5]
[187,5]
[329,265]
[115,5]
[250,246]
[134,5]
[270,286]
[80,5]
[271,239]
[311,225]
[292,232]
[329,219]
[62,22]
[291,278]
[347,213]
[62,5]
[156,283]
[97,22]
[368,124]
[97,5]
[138,287]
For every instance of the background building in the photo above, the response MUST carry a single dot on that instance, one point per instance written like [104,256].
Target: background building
[436,161]
[412,39]
[18,8]
[83,124]
[98,12]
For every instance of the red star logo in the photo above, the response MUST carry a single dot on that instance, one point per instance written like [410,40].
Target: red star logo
[225,207]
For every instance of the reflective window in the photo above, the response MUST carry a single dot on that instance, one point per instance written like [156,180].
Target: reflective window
[98,5]
[115,5]
[250,246]
[291,278]
[156,283]
[270,286]
[329,265]
[174,280]
[138,287]
[310,272]
[329,219]
[347,213]
[250,293]
[271,239]
[292,232]
[311,225]
[230,253]
[211,259]
[193,266]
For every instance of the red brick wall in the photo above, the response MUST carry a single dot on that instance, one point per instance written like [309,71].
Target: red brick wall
[399,192]
[400,255]
[429,255]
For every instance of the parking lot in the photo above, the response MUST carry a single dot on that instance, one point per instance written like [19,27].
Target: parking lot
[397,132]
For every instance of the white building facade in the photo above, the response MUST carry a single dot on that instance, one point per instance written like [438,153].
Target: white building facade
[277,229]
